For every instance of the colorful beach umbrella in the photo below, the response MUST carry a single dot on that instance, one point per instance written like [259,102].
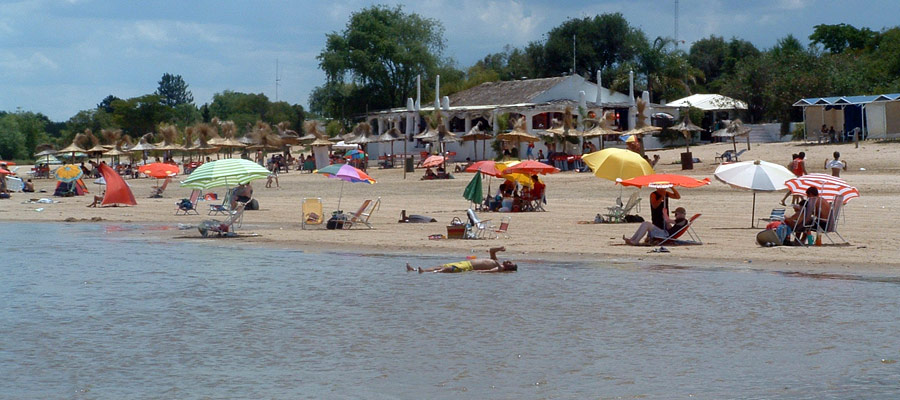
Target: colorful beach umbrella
[518,177]
[756,176]
[531,167]
[829,186]
[474,191]
[487,167]
[346,173]
[433,161]
[159,170]
[225,172]
[68,173]
[614,163]
[355,154]
[664,180]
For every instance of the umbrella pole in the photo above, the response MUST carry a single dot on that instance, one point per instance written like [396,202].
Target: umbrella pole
[341,195]
[405,155]
[753,213]
[734,143]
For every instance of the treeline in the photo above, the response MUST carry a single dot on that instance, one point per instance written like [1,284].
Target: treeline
[373,63]
[171,104]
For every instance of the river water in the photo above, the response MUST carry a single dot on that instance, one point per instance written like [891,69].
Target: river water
[93,311]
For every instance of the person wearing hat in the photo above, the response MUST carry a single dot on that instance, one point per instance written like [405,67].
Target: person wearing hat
[651,231]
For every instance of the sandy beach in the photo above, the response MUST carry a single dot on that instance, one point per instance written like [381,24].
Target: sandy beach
[870,223]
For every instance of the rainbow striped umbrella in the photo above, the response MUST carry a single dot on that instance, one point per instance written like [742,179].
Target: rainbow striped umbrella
[68,173]
[829,186]
[346,173]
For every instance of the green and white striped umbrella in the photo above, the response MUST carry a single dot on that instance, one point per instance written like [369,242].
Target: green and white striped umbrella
[226,172]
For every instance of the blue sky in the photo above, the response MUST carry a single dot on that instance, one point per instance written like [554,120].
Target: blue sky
[58,57]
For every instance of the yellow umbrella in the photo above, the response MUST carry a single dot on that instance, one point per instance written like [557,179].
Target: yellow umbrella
[615,163]
[522,179]
[68,173]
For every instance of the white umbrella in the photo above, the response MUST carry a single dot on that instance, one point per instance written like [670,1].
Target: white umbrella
[756,176]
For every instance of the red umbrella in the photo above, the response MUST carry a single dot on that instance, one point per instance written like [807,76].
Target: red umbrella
[433,161]
[159,170]
[664,180]
[5,172]
[531,167]
[487,167]
[7,162]
[828,186]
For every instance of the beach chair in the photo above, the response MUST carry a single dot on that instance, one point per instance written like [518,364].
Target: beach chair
[313,214]
[362,215]
[477,228]
[188,206]
[618,212]
[834,220]
[158,191]
[223,228]
[674,238]
[777,214]
[737,156]
[724,157]
[503,229]
[224,208]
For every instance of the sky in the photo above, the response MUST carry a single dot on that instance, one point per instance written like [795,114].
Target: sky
[58,57]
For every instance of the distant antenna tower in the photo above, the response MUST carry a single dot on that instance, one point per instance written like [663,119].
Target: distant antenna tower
[277,80]
[676,23]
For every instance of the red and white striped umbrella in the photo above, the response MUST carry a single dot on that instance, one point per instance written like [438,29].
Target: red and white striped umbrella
[829,186]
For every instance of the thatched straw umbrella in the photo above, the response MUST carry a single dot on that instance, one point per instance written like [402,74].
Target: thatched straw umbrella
[288,137]
[320,145]
[143,146]
[264,139]
[76,145]
[641,127]
[600,128]
[475,134]
[518,134]
[686,127]
[734,129]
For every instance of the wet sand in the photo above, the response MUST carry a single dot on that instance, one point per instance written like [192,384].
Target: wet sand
[870,224]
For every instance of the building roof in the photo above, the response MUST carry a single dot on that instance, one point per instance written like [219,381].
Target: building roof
[505,92]
[709,102]
[846,100]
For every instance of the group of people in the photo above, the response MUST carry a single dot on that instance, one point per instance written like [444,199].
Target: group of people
[510,197]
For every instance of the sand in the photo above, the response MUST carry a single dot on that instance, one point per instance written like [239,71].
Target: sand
[871,223]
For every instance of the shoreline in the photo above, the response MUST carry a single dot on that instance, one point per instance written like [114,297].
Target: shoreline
[869,222]
[889,272]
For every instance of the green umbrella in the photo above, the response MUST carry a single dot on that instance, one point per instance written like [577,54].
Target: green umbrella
[225,172]
[473,190]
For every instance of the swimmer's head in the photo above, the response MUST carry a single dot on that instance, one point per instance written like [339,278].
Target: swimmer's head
[509,266]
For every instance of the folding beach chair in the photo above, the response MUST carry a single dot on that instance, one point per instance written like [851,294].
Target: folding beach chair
[223,228]
[618,212]
[674,238]
[188,206]
[224,208]
[503,229]
[777,214]
[312,210]
[477,228]
[737,156]
[362,215]
[158,191]
[834,219]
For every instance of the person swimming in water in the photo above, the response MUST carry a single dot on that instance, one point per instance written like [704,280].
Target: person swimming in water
[488,265]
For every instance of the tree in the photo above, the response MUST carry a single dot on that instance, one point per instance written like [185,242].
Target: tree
[838,38]
[173,91]
[601,42]
[381,50]
[140,115]
[106,103]
[666,71]
[12,141]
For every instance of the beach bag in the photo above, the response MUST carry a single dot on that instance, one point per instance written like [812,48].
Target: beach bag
[185,204]
[634,218]
[252,205]
[784,232]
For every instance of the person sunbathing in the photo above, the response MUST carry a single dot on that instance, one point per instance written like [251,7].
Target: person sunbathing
[486,266]
[654,232]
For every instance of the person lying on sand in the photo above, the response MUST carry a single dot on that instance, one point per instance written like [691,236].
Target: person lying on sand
[486,266]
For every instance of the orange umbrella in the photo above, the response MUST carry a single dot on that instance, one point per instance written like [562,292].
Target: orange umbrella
[531,167]
[7,162]
[159,170]
[665,180]
[487,167]
[433,161]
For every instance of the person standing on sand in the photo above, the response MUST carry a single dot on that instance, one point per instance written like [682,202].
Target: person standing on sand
[836,165]
[486,266]
[798,167]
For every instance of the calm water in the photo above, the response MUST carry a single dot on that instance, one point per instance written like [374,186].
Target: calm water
[92,312]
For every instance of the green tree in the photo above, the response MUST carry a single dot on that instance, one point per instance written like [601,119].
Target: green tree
[838,38]
[666,71]
[12,141]
[382,50]
[173,91]
[601,42]
[140,115]
[106,103]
